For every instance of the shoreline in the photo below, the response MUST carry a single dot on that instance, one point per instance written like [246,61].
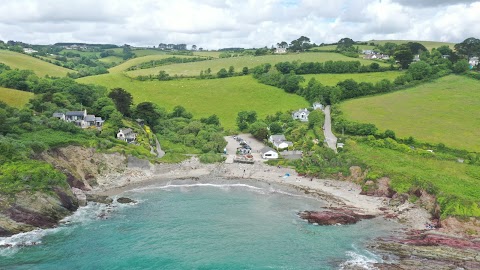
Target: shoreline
[335,193]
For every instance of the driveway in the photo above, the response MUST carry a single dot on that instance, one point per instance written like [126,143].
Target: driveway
[255,144]
[329,137]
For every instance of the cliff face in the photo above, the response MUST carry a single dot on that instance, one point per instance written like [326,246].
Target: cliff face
[27,211]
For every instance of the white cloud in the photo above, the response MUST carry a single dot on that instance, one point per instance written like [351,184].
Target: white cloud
[229,23]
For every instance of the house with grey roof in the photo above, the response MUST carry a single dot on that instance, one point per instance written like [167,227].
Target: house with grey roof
[292,155]
[279,141]
[127,135]
[80,118]
[301,115]
[318,106]
[269,153]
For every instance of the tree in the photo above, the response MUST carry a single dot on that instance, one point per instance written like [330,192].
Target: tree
[345,44]
[461,66]
[445,50]
[211,120]
[245,70]
[244,118]
[231,71]
[222,73]
[315,119]
[404,56]
[194,47]
[300,44]
[149,112]
[420,70]
[416,48]
[259,130]
[163,76]
[122,99]
[469,47]
[276,128]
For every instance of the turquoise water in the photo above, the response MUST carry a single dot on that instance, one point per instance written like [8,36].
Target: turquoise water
[196,227]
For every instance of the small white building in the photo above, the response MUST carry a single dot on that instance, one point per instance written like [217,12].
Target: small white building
[318,106]
[29,50]
[473,61]
[280,50]
[301,115]
[127,135]
[279,141]
[269,153]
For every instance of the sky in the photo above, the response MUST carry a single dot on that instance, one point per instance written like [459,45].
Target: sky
[214,24]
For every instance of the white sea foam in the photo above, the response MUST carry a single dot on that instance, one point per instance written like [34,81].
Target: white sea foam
[358,261]
[84,215]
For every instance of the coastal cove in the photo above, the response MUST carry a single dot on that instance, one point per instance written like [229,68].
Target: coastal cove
[200,223]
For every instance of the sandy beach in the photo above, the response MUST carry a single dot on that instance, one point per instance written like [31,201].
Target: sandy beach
[334,192]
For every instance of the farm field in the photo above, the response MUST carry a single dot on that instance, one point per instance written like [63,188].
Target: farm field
[81,53]
[136,61]
[15,98]
[428,44]
[450,177]
[214,54]
[22,61]
[111,59]
[444,111]
[333,79]
[145,52]
[193,69]
[223,97]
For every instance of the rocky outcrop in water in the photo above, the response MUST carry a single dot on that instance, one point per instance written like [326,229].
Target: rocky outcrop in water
[335,216]
[125,200]
[428,250]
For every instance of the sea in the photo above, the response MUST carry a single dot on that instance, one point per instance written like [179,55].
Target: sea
[189,225]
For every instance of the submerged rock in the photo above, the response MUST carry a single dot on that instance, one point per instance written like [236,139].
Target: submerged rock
[333,217]
[125,200]
[99,198]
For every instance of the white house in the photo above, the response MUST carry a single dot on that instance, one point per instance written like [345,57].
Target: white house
[280,50]
[473,61]
[60,116]
[318,106]
[279,141]
[416,58]
[29,50]
[80,118]
[269,153]
[301,115]
[127,135]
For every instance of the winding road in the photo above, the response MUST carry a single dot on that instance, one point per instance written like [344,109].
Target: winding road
[329,137]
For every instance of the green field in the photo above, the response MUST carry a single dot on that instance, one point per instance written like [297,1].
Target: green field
[223,97]
[333,79]
[444,111]
[111,59]
[138,60]
[428,44]
[22,61]
[82,53]
[193,69]
[447,177]
[145,52]
[14,98]
[214,54]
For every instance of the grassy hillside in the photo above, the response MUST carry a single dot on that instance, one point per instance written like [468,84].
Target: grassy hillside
[136,61]
[333,79]
[145,52]
[15,98]
[444,111]
[111,59]
[428,44]
[193,69]
[446,178]
[22,61]
[223,97]
[334,47]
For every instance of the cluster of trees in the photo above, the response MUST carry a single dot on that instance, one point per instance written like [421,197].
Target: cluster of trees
[335,67]
[168,61]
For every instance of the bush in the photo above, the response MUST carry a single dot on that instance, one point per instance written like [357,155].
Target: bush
[211,158]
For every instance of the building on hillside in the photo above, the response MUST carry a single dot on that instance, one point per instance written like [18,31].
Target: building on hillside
[29,50]
[127,135]
[280,50]
[80,118]
[301,115]
[318,106]
[368,52]
[292,155]
[279,141]
[268,153]
[473,61]
[416,58]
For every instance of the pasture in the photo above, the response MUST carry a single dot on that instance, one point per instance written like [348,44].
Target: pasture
[111,59]
[22,61]
[15,98]
[444,111]
[333,79]
[223,97]
[193,69]
[138,60]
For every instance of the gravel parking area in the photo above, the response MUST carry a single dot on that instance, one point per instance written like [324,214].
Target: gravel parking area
[255,144]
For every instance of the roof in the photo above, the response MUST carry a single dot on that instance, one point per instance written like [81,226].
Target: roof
[126,130]
[99,119]
[75,113]
[278,137]
[295,152]
[90,118]
[58,114]
[267,149]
